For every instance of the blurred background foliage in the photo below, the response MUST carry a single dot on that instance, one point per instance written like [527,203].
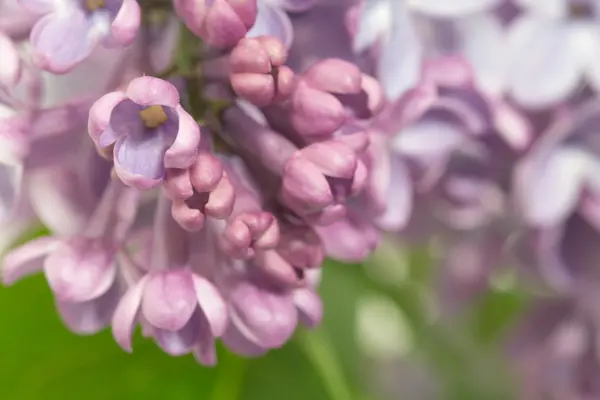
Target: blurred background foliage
[380,339]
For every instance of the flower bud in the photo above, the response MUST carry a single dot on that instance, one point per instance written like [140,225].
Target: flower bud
[220,23]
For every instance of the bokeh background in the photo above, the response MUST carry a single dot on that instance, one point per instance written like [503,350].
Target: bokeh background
[383,337]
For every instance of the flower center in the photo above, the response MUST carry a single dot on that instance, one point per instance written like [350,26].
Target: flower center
[153,116]
[580,10]
[93,5]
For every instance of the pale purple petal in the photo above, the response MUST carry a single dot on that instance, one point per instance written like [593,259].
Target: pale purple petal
[27,259]
[212,305]
[92,316]
[148,91]
[169,299]
[548,187]
[268,317]
[124,318]
[183,151]
[309,305]
[428,139]
[454,8]
[104,64]
[544,65]
[139,155]
[205,352]
[80,270]
[348,240]
[60,42]
[180,342]
[240,344]
[123,120]
[126,24]
[61,199]
[400,193]
[272,21]
[480,39]
[399,66]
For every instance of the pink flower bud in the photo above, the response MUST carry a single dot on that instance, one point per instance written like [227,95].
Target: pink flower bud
[257,71]
[220,23]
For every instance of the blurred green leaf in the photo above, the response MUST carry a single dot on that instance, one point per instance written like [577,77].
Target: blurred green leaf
[42,360]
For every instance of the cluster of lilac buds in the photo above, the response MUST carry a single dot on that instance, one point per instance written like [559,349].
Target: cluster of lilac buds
[197,160]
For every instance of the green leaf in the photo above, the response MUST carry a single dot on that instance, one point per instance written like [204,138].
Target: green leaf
[322,356]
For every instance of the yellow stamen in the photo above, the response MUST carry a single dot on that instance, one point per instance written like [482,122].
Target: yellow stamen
[153,116]
[93,5]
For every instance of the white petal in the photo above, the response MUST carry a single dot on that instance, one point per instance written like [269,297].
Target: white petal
[375,19]
[543,64]
[452,8]
[400,62]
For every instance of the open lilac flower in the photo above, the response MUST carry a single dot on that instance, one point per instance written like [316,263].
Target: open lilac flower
[560,174]
[82,270]
[264,317]
[69,30]
[551,47]
[149,130]
[181,309]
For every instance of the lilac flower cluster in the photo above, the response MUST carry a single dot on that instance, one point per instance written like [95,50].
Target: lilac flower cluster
[232,145]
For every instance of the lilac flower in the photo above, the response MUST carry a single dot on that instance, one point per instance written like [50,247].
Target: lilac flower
[558,176]
[272,18]
[221,23]
[427,127]
[181,309]
[81,270]
[391,25]
[264,317]
[149,129]
[556,347]
[70,30]
[551,47]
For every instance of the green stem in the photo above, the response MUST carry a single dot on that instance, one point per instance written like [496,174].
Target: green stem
[321,355]
[230,378]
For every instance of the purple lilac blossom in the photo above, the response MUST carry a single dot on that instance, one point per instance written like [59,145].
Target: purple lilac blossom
[229,153]
[68,31]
